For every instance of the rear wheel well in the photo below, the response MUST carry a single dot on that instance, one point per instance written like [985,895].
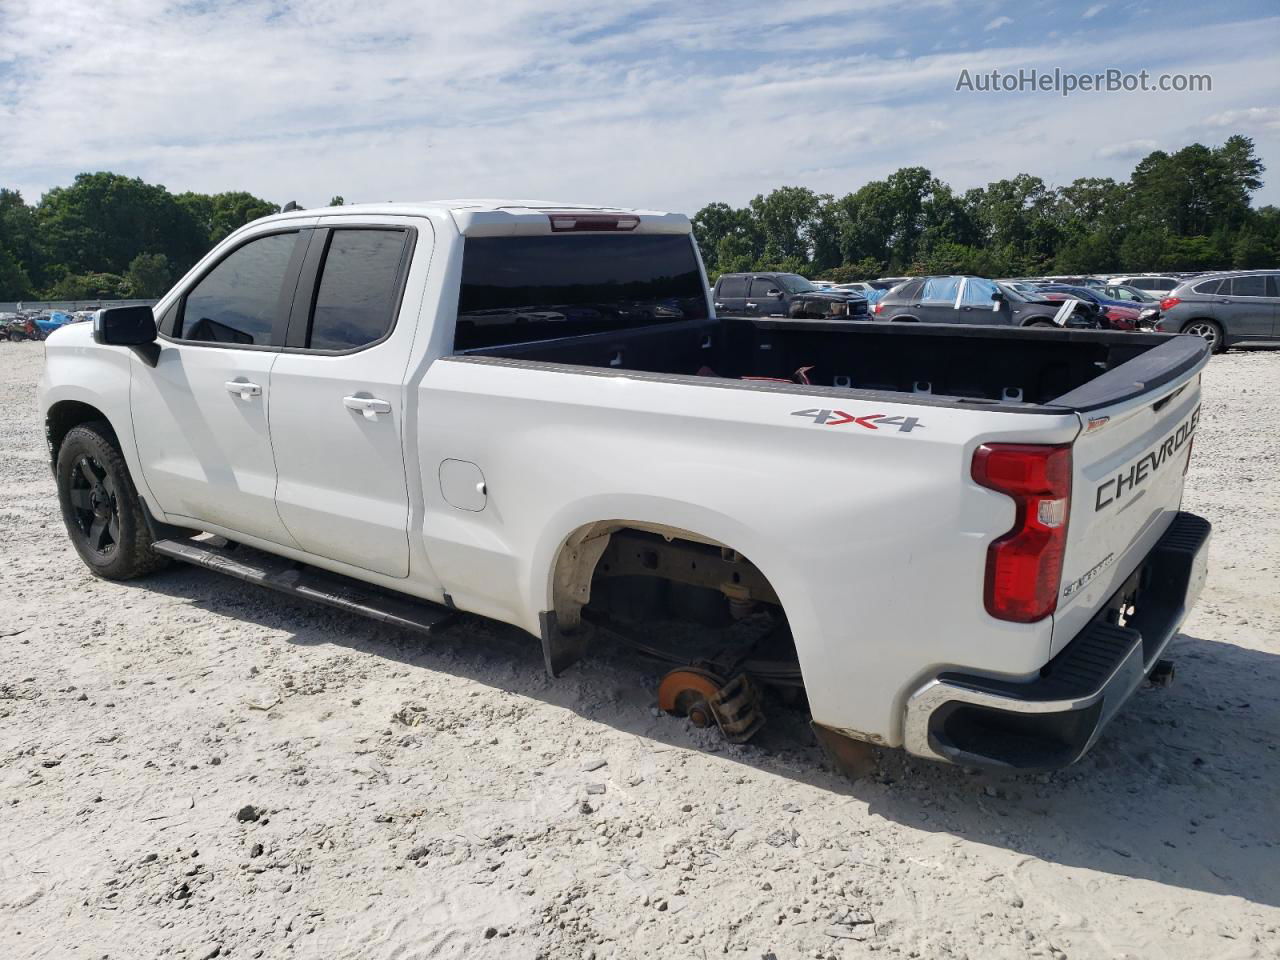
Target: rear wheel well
[641,577]
[66,414]
[611,550]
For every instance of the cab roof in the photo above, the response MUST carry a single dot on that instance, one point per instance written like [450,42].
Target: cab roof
[497,217]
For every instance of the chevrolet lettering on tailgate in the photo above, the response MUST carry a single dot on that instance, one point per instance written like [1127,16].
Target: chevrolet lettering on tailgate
[1126,482]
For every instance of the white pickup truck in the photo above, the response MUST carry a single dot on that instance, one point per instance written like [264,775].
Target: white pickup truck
[963,541]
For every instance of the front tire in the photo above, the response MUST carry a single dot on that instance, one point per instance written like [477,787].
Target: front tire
[1041,322]
[1210,331]
[100,505]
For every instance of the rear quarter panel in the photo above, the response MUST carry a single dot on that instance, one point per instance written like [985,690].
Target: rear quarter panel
[874,539]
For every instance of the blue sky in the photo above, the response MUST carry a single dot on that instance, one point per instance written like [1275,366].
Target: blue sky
[652,103]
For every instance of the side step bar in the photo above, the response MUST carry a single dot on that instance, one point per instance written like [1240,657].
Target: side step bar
[308,583]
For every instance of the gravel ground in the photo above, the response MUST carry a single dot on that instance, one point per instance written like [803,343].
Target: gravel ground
[190,767]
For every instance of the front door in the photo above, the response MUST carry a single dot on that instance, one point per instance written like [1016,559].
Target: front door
[338,396]
[200,415]
[977,305]
[766,299]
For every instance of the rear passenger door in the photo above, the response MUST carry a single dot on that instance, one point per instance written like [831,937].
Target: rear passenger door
[938,300]
[731,297]
[338,394]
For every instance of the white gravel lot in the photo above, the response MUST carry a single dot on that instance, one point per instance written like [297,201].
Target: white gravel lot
[445,799]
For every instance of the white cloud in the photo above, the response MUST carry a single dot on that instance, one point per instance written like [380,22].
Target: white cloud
[1094,10]
[1127,149]
[644,102]
[1247,119]
[998,22]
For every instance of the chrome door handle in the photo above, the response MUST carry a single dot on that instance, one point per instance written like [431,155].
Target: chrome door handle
[369,406]
[245,389]
[750,304]
[718,306]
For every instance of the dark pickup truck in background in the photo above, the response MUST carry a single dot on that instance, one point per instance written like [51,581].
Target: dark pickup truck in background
[784,295]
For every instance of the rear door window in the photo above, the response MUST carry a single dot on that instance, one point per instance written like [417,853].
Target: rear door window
[733,287]
[941,290]
[359,288]
[241,300]
[1255,286]
[522,289]
[1208,288]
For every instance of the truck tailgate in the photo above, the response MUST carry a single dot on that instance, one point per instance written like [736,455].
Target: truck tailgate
[1127,475]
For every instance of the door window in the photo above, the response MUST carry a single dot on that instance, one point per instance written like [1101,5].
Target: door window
[940,290]
[977,293]
[359,287]
[733,287]
[1255,286]
[761,287]
[239,301]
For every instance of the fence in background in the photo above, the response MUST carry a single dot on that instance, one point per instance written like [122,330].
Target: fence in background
[11,306]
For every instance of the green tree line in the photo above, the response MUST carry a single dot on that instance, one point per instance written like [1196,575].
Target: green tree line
[108,235]
[111,236]
[1187,210]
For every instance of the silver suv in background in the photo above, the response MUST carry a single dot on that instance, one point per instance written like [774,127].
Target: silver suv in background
[1242,307]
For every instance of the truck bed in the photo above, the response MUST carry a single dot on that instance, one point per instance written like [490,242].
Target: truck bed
[1017,369]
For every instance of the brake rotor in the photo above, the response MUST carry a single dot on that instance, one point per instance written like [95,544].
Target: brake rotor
[688,692]
[705,698]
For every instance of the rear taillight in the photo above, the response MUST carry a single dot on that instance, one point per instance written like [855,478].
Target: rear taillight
[1024,567]
[1168,303]
[878,308]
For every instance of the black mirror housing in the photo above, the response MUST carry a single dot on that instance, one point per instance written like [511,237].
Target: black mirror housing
[997,295]
[125,326]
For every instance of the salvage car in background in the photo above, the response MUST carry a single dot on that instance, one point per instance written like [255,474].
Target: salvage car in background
[1227,310]
[980,301]
[1121,314]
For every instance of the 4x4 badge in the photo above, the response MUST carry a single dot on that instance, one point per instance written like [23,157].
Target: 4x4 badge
[872,421]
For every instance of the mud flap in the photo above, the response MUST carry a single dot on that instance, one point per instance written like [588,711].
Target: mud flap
[854,758]
[561,650]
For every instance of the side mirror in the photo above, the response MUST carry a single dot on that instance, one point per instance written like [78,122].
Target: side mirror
[124,326]
[997,295]
[774,292]
[133,327]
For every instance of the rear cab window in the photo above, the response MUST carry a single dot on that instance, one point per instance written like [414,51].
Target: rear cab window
[525,289]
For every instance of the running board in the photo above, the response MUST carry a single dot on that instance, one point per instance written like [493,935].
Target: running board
[309,583]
